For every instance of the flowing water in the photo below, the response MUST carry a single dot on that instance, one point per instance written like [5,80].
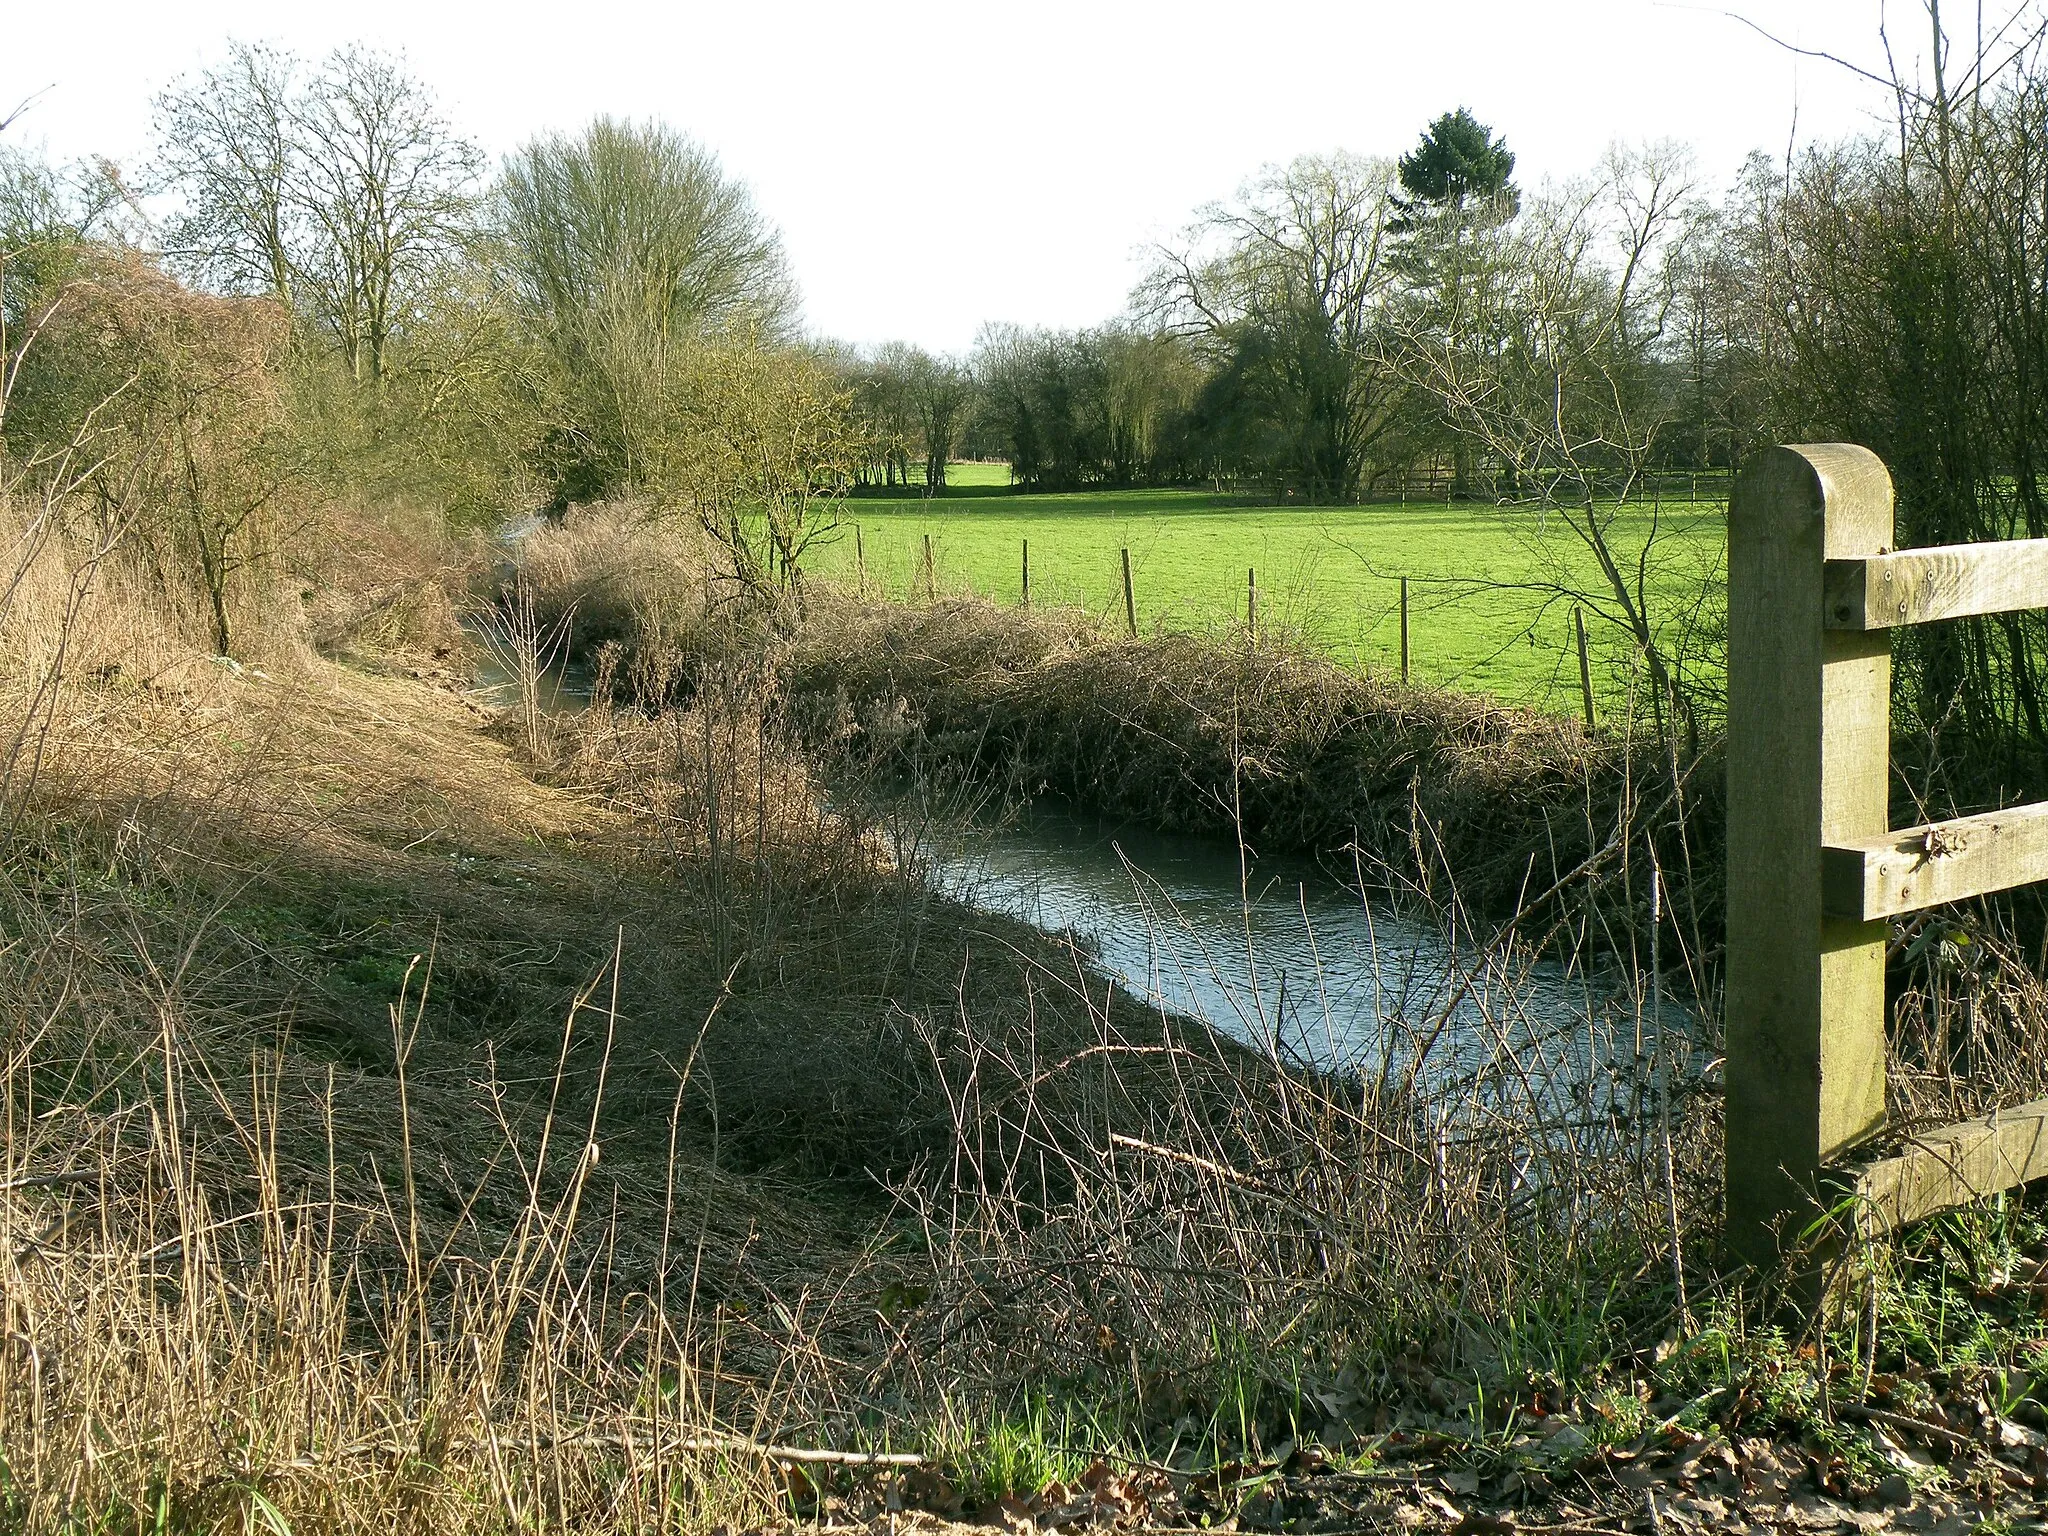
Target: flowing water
[1277,952]
[1285,956]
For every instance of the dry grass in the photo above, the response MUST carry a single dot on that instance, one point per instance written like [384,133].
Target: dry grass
[413,1122]
[379,1114]
[1498,812]
[296,1222]
[377,583]
[650,588]
[293,1220]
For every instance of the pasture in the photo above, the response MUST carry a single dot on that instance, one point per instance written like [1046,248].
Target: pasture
[1490,610]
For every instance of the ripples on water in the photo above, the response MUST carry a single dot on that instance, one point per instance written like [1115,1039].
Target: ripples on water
[1278,954]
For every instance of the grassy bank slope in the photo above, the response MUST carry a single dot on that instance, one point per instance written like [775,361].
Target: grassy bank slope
[378,1086]
[420,1118]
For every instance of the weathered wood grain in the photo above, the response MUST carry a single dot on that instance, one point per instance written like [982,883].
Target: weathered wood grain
[1808,760]
[1943,1169]
[1950,581]
[1923,866]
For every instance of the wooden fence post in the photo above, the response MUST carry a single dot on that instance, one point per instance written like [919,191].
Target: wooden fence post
[1130,599]
[1585,666]
[1808,748]
[1027,573]
[860,561]
[931,584]
[1251,601]
[1404,629]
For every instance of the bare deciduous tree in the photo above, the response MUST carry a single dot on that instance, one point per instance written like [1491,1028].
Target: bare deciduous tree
[940,391]
[387,186]
[1553,362]
[336,190]
[1288,285]
[180,397]
[758,445]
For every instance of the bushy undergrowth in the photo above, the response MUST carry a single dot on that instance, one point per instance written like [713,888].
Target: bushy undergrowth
[414,1120]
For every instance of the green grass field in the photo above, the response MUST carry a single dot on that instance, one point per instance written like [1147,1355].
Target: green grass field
[1486,612]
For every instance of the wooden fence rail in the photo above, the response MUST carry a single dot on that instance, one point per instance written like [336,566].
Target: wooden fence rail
[1814,866]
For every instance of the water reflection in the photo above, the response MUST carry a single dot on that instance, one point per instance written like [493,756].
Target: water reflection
[1281,955]
[561,687]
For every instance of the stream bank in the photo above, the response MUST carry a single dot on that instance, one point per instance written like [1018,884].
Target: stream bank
[1483,814]
[1316,954]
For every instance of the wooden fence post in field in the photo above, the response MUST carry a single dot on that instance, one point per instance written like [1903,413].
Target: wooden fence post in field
[1814,867]
[1404,629]
[1585,666]
[1130,599]
[1251,601]
[1808,765]
[1026,586]
[931,584]
[860,562]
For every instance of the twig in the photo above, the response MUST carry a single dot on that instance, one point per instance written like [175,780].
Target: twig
[736,1445]
[1175,1155]
[1857,1413]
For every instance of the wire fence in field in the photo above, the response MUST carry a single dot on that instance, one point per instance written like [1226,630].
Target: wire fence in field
[1533,620]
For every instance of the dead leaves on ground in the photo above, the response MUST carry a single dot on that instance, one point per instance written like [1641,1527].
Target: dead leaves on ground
[1671,1482]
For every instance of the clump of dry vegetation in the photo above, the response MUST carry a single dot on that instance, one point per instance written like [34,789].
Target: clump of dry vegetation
[425,1115]
[652,593]
[1501,811]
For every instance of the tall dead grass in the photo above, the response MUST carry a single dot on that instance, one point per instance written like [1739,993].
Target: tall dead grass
[405,1129]
[209,1329]
[392,1136]
[654,589]
[307,1217]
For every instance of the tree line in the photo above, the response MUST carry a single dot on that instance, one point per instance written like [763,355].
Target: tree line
[1345,322]
[345,298]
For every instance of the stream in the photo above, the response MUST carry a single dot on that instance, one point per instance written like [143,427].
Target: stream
[1277,952]
[1281,955]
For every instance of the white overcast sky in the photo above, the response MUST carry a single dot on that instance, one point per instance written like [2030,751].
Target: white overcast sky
[933,166]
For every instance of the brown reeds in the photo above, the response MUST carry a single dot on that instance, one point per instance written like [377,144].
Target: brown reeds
[1209,733]
[404,1131]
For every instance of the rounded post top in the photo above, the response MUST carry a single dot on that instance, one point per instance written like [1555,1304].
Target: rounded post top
[1842,486]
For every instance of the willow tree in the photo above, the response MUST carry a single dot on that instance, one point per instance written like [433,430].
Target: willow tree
[621,247]
[1285,290]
